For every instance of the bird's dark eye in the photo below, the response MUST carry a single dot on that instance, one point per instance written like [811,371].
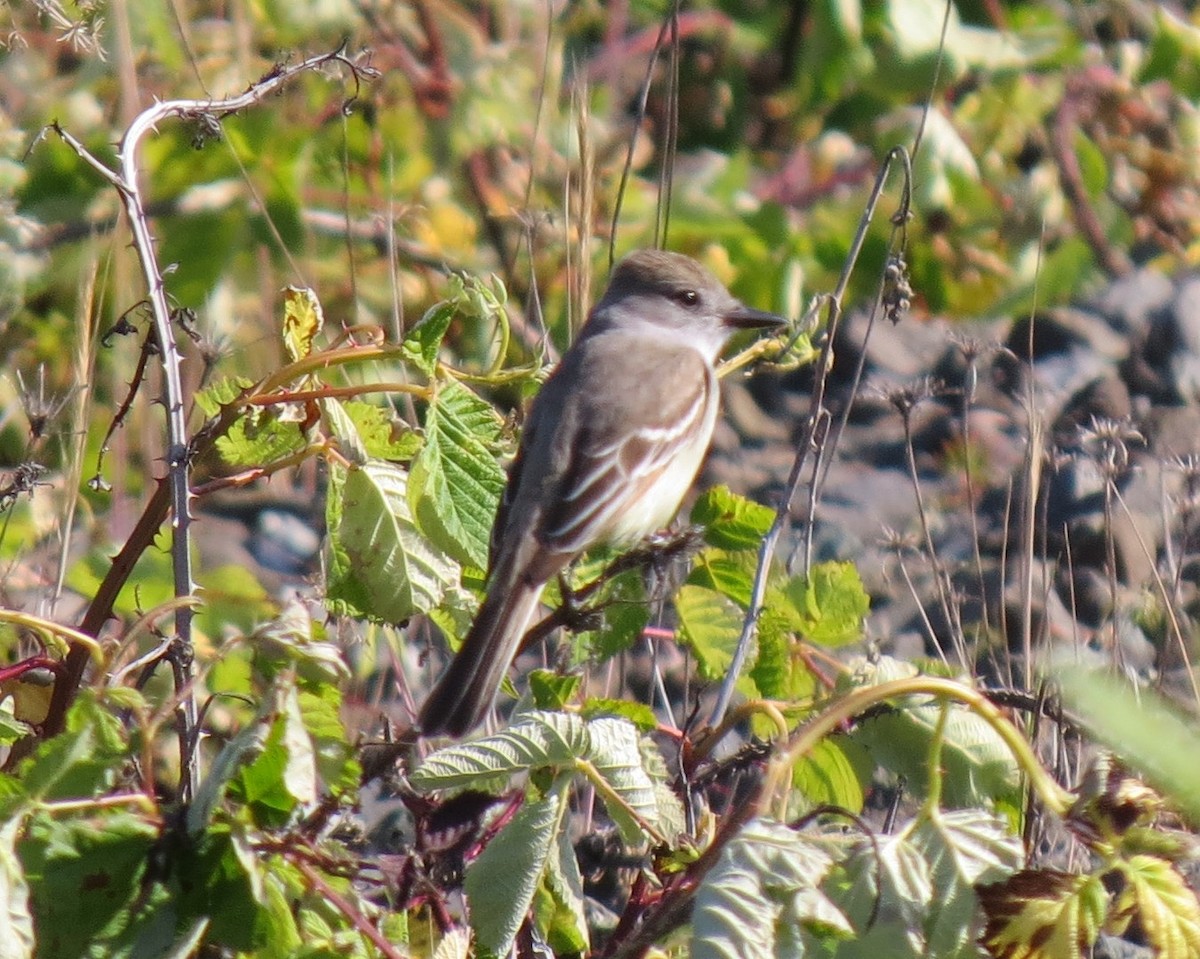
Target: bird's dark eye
[686,297]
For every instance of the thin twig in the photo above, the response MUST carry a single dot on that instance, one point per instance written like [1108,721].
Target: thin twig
[125,181]
[818,414]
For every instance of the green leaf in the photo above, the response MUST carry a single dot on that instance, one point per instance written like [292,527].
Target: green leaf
[607,748]
[247,744]
[81,762]
[336,757]
[284,774]
[962,849]
[617,758]
[1093,165]
[16,922]
[726,572]
[420,346]
[977,767]
[1140,727]
[731,521]
[887,893]
[1043,914]
[337,424]
[560,907]
[381,567]
[220,878]
[1166,910]
[709,624]
[261,436]
[552,691]
[501,883]
[222,393]
[455,484]
[383,437]
[641,715]
[826,776]
[302,321]
[828,606]
[535,741]
[624,613]
[84,875]
[777,672]
[762,894]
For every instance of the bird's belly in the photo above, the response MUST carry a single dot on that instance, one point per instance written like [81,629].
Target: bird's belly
[659,501]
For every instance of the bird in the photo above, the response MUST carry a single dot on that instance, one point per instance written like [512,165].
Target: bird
[611,446]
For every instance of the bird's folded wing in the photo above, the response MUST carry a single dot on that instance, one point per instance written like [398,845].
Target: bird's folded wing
[616,460]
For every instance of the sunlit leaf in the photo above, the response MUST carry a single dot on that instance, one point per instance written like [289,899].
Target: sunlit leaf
[1043,914]
[455,484]
[16,923]
[303,319]
[500,884]
[762,894]
[1158,898]
[381,567]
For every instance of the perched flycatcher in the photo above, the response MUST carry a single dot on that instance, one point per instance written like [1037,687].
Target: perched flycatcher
[612,444]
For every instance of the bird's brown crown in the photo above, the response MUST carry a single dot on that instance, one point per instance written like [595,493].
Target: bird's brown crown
[659,271]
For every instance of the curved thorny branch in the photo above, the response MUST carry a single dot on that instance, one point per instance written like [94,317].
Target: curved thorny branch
[124,178]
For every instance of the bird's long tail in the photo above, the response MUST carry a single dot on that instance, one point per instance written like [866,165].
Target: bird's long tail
[467,690]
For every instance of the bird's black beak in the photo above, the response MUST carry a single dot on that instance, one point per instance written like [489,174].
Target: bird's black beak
[748,318]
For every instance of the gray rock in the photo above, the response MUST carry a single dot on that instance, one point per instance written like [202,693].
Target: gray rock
[1130,302]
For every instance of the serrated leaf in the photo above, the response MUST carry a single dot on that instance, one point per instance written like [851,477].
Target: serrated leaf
[383,438]
[963,849]
[825,776]
[641,715]
[302,321]
[762,894]
[336,757]
[709,624]
[82,762]
[501,883]
[828,605]
[563,919]
[977,766]
[222,393]
[624,613]
[83,875]
[420,346]
[730,521]
[552,691]
[16,922]
[616,757]
[248,743]
[1042,914]
[1166,909]
[609,748]
[300,772]
[338,424]
[455,483]
[888,896]
[537,740]
[258,437]
[381,567]
[731,573]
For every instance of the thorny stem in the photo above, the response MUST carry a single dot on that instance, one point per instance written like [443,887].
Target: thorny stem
[818,414]
[126,182]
